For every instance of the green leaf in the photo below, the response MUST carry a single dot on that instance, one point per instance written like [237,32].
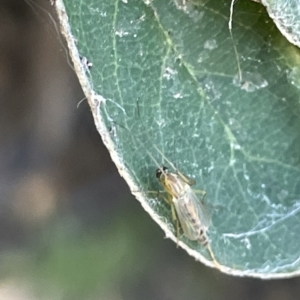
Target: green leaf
[166,74]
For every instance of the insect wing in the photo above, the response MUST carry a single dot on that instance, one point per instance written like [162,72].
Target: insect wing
[192,214]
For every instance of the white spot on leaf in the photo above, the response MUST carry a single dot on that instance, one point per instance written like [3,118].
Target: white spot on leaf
[210,44]
[250,82]
[294,77]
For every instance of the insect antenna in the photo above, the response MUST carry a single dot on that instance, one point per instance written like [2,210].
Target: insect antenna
[159,167]
[164,157]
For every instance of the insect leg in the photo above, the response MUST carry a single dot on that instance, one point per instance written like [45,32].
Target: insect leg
[202,192]
[217,265]
[175,219]
[177,231]
[185,179]
[167,198]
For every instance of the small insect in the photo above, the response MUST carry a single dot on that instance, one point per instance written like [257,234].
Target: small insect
[187,210]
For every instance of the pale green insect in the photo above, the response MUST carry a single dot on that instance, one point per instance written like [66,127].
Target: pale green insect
[187,210]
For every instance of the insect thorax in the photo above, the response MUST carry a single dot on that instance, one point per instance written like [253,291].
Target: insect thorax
[175,186]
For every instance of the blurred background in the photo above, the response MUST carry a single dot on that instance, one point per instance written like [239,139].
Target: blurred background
[69,228]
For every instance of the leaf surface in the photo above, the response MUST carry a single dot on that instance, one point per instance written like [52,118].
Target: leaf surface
[167,76]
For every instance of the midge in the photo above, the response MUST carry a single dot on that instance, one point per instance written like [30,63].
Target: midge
[187,210]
